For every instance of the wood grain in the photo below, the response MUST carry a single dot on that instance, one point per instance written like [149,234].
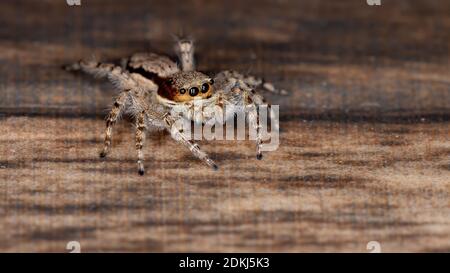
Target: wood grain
[364,152]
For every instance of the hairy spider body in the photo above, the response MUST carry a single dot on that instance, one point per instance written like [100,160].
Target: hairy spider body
[153,88]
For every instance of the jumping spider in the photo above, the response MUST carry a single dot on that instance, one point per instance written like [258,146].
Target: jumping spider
[152,85]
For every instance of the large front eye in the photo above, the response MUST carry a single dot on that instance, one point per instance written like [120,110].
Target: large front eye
[193,91]
[205,87]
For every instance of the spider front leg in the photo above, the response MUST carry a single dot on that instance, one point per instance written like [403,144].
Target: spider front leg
[140,138]
[176,130]
[115,113]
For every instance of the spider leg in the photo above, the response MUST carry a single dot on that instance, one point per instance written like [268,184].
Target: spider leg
[118,76]
[140,138]
[253,82]
[113,115]
[121,80]
[254,121]
[177,133]
[184,48]
[253,103]
[261,101]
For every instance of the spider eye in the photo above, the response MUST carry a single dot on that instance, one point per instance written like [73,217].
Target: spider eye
[169,81]
[182,91]
[211,81]
[193,91]
[205,87]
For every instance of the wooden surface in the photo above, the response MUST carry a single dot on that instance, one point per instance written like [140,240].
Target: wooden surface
[364,152]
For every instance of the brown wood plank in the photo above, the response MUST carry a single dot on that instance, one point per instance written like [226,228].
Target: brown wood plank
[330,187]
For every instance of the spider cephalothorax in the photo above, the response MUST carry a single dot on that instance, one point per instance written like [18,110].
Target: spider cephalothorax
[154,89]
[186,86]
